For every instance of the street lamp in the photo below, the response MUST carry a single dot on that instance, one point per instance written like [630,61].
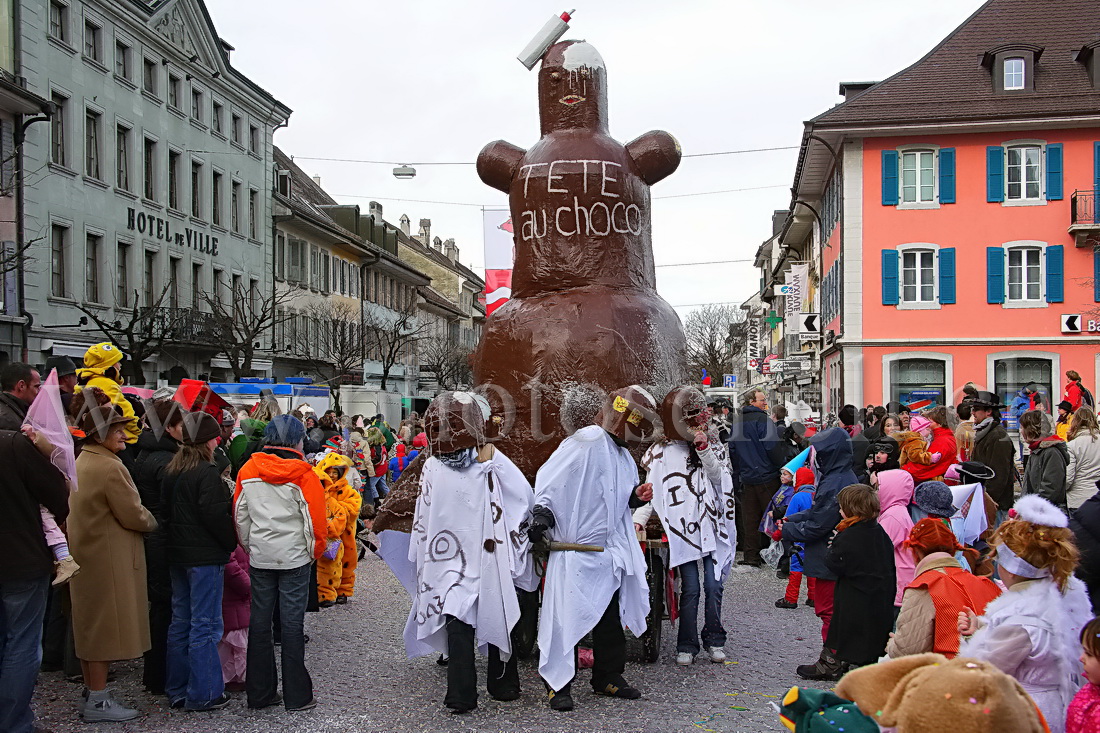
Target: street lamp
[404,172]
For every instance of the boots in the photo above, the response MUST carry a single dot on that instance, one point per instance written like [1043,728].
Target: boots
[64,570]
[826,668]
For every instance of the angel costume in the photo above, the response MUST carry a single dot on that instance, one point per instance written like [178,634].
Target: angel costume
[470,555]
[588,484]
[690,498]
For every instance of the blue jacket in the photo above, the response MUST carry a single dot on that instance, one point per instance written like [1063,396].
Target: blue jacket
[801,501]
[814,527]
[752,438]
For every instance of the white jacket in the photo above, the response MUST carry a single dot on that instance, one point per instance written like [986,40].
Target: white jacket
[1083,470]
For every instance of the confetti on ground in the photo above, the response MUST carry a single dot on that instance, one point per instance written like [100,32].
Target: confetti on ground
[731,663]
[737,707]
[761,694]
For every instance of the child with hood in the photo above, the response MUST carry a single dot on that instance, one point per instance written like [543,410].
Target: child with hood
[399,461]
[236,601]
[802,499]
[932,463]
[342,505]
[895,491]
[103,371]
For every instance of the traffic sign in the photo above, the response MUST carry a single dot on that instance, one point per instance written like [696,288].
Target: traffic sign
[1071,323]
[729,380]
[810,322]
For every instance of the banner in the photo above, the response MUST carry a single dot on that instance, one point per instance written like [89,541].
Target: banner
[796,280]
[499,256]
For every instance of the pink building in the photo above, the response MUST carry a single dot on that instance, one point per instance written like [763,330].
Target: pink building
[951,214]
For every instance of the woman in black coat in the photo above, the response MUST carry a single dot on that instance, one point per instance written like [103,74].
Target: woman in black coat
[1085,523]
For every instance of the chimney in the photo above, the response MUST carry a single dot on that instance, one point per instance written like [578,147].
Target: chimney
[852,89]
[317,180]
[437,244]
[425,235]
[450,250]
[375,210]
[405,224]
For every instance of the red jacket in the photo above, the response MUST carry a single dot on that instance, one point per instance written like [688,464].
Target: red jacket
[1074,395]
[943,442]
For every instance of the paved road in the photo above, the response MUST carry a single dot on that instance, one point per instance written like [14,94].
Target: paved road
[364,682]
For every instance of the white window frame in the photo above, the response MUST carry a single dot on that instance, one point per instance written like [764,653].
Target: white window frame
[1023,74]
[1025,302]
[1042,200]
[888,364]
[935,202]
[911,247]
[64,25]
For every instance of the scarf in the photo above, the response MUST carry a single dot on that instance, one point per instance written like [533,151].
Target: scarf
[1034,445]
[458,460]
[846,523]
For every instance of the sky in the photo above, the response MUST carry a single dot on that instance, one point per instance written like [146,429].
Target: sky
[433,81]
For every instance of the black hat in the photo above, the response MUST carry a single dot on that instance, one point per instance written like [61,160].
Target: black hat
[63,364]
[977,471]
[986,400]
[1065,405]
[199,427]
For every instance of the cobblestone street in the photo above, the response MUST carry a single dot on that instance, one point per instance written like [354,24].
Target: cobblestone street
[364,682]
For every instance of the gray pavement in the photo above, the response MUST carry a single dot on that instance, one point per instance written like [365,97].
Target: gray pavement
[364,682]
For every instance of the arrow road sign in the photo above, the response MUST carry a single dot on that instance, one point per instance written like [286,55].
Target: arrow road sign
[811,323]
[1071,323]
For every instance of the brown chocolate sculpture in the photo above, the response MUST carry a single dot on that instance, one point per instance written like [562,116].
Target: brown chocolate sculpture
[584,317]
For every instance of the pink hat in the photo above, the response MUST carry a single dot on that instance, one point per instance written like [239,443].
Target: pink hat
[918,423]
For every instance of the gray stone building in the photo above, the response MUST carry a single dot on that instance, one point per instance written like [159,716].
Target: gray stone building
[148,197]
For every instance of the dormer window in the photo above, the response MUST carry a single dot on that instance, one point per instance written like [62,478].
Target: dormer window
[1091,59]
[1012,66]
[1014,73]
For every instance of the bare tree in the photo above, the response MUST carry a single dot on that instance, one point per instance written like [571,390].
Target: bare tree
[140,332]
[332,344]
[448,359]
[240,321]
[714,339]
[390,334]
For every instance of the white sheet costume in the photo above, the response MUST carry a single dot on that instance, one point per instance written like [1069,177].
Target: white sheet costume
[1031,632]
[691,503]
[587,484]
[468,552]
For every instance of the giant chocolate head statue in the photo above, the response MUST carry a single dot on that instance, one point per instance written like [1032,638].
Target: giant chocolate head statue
[456,420]
[683,413]
[628,414]
[584,307]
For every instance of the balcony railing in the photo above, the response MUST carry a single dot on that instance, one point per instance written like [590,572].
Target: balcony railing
[185,325]
[1084,209]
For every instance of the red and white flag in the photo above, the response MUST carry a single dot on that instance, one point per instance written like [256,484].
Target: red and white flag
[499,256]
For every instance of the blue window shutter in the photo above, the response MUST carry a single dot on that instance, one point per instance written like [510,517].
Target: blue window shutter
[1055,273]
[995,274]
[947,275]
[1096,275]
[1054,172]
[889,178]
[889,277]
[994,174]
[1096,166]
[947,175]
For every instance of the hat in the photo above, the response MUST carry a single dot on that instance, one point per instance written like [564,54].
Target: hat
[798,461]
[199,427]
[101,356]
[927,693]
[63,364]
[420,441]
[228,418]
[1065,405]
[803,477]
[934,498]
[918,423]
[976,471]
[986,400]
[98,421]
[1037,510]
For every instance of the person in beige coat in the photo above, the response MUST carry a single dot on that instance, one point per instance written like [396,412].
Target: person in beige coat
[109,598]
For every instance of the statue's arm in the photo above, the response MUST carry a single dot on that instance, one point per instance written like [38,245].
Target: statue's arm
[656,153]
[497,163]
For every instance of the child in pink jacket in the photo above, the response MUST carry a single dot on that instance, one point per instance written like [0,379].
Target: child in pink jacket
[236,602]
[895,492]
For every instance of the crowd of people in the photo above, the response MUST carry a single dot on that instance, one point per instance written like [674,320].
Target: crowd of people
[196,538]
[175,530]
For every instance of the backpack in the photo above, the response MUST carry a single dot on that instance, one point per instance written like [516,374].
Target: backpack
[1086,396]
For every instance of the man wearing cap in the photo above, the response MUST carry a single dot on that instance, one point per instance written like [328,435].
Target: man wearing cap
[19,385]
[993,447]
[103,371]
[583,495]
[66,377]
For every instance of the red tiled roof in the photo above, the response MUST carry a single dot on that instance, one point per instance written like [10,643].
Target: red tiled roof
[950,83]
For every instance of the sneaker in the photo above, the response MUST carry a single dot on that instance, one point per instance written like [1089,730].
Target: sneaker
[560,701]
[308,706]
[784,603]
[327,604]
[717,654]
[64,570]
[218,704]
[277,700]
[782,574]
[178,703]
[341,600]
[810,602]
[621,690]
[684,659]
[103,707]
[442,661]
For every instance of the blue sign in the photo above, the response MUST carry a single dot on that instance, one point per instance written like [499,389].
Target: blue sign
[729,380]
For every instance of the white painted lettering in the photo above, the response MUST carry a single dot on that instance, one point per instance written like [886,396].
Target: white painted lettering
[550,178]
[606,178]
[557,222]
[592,219]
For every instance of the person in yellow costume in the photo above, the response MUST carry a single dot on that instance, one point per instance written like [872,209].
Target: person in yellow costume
[103,371]
[342,504]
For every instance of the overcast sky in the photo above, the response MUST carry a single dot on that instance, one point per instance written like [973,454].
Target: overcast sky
[435,80]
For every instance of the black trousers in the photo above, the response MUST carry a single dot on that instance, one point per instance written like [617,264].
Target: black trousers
[58,651]
[503,677]
[154,669]
[608,650]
